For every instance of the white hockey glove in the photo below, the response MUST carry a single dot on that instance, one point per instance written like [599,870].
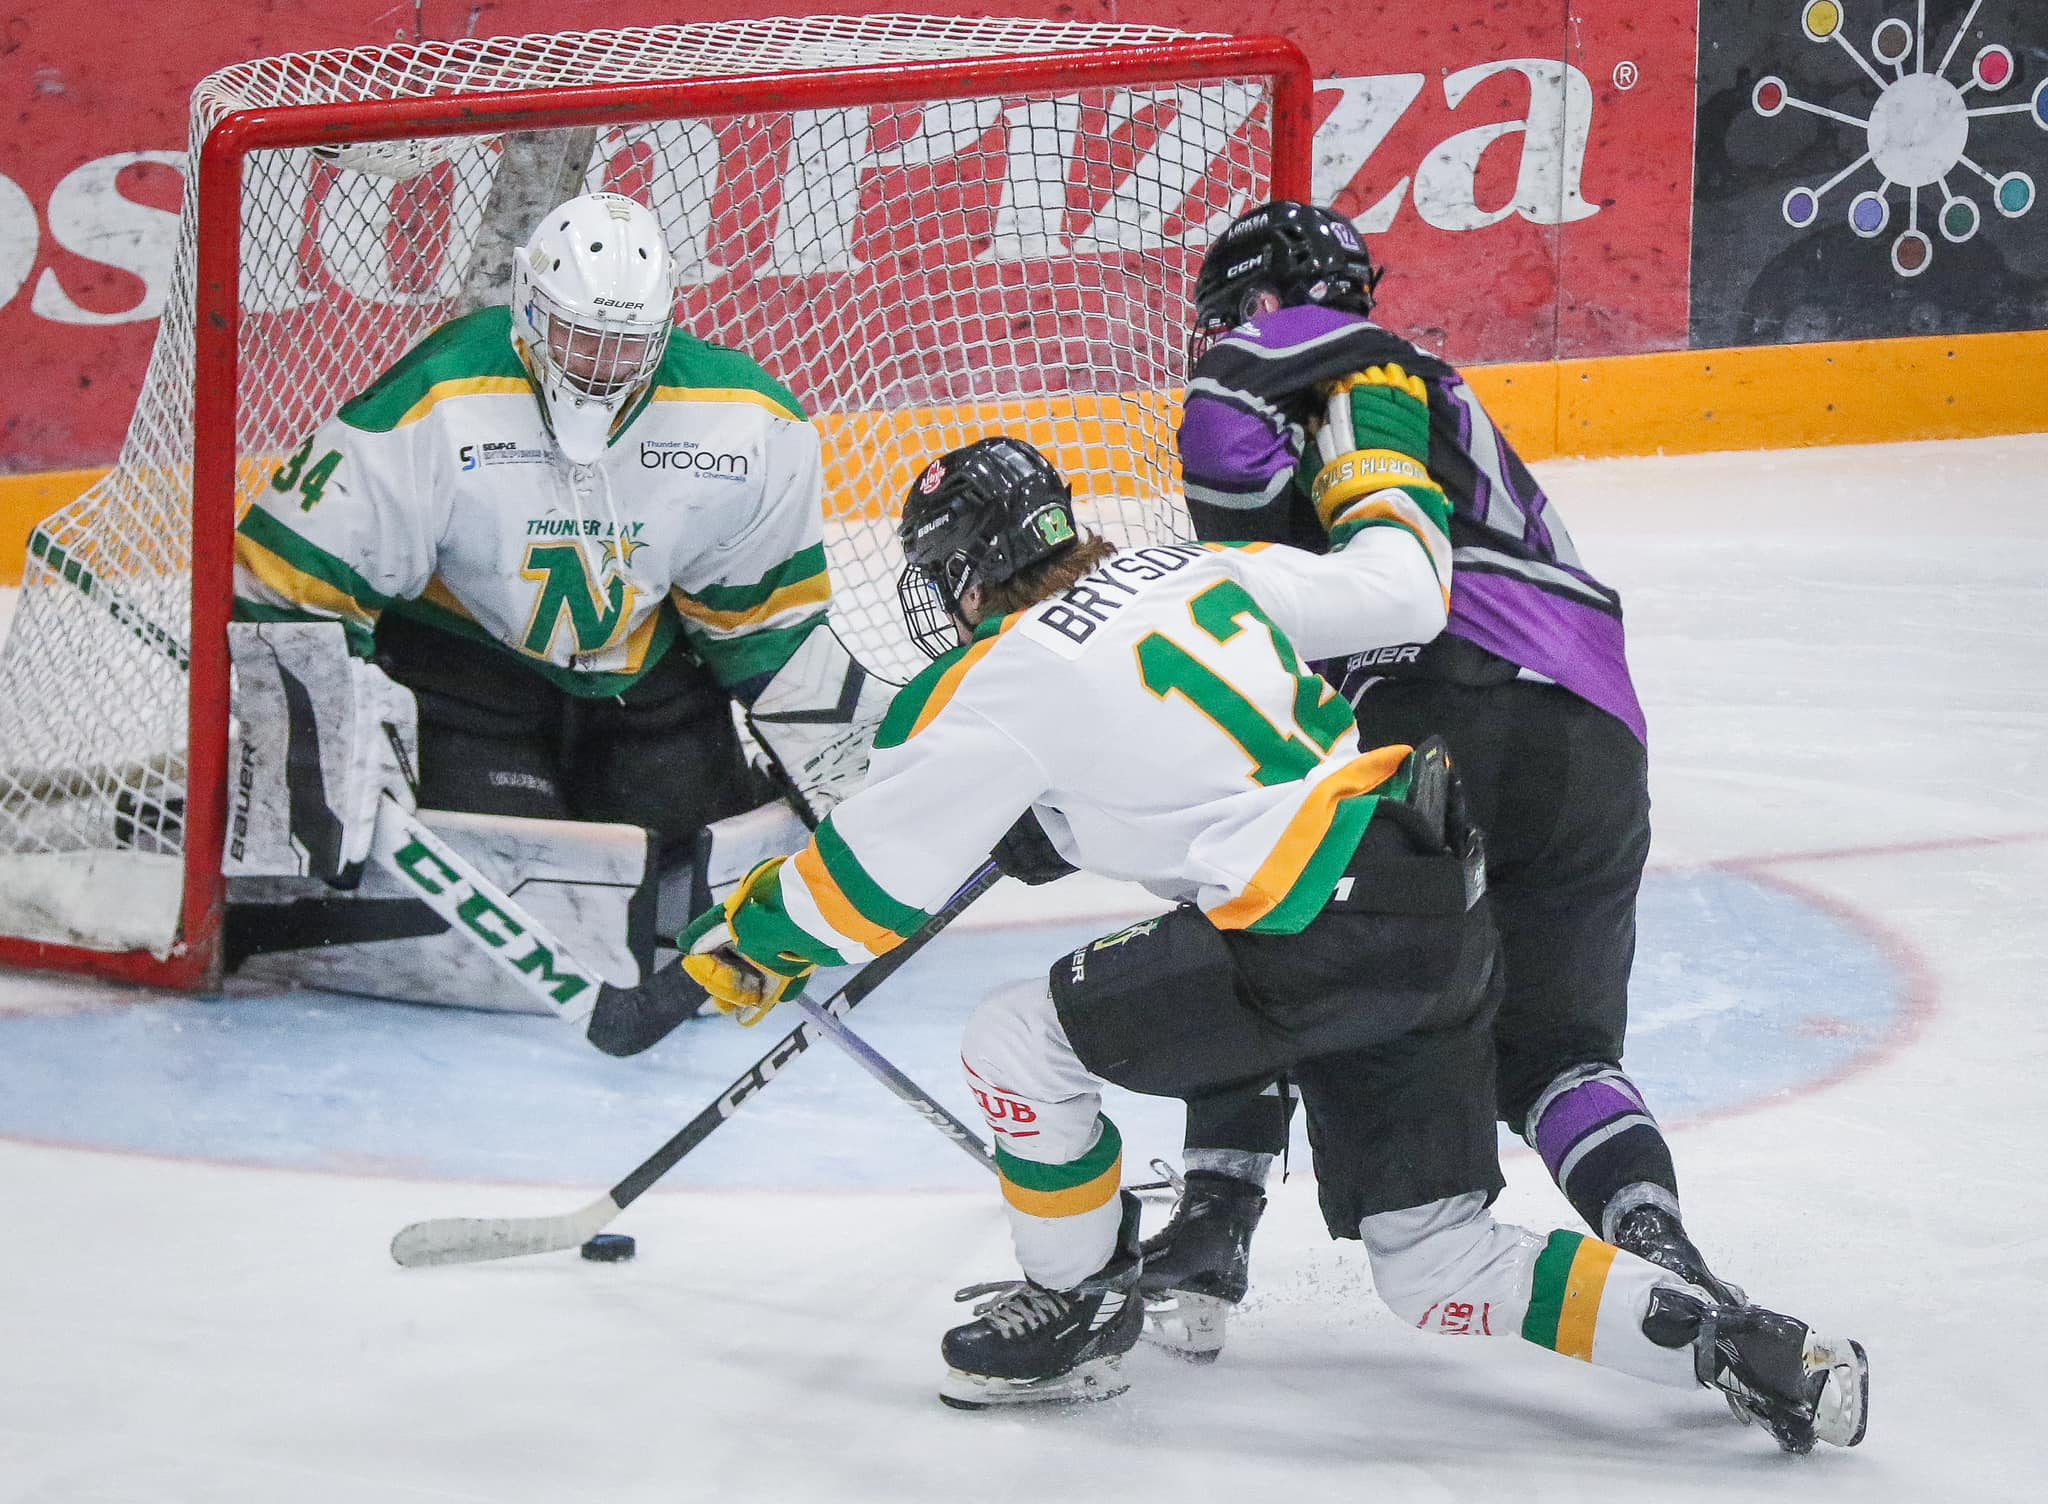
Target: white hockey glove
[320,736]
[817,718]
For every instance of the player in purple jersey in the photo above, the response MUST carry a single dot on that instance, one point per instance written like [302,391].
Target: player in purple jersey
[1529,686]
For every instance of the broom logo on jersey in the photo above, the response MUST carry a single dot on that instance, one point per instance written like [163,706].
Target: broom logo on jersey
[1916,136]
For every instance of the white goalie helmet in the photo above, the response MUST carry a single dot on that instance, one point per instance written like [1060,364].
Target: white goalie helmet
[593,301]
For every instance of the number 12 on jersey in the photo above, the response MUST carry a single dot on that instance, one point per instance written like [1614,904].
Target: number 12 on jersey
[1277,755]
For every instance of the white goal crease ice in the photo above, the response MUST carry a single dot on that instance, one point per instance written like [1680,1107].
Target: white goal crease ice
[931,229]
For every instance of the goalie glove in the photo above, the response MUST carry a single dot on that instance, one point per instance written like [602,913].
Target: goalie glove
[1373,443]
[817,718]
[741,986]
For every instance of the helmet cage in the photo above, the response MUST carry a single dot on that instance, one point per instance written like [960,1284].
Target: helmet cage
[977,516]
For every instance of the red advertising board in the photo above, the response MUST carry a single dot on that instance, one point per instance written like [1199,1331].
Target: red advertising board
[1524,167]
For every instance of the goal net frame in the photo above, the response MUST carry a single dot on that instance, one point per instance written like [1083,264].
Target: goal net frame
[193,960]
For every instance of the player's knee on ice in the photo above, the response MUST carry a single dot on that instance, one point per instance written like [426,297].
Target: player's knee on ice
[1450,1254]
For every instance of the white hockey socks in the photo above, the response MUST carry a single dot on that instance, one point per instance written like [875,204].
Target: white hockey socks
[1451,1267]
[1060,1159]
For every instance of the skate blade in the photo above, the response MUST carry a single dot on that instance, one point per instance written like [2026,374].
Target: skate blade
[1842,1413]
[1097,1379]
[1189,1326]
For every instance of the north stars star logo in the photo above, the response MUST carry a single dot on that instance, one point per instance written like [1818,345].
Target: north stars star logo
[617,553]
[1917,135]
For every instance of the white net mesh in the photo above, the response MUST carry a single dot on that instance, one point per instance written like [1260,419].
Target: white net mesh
[920,275]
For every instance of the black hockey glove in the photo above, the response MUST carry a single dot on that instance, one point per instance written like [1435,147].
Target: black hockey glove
[1026,853]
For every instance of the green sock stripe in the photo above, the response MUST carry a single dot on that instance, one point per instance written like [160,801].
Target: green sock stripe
[1547,1288]
[1033,1176]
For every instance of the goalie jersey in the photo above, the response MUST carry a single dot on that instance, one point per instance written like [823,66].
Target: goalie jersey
[1159,717]
[439,494]
[1522,598]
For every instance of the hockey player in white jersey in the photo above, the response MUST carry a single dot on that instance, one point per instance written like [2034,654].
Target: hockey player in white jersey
[576,535]
[1154,709]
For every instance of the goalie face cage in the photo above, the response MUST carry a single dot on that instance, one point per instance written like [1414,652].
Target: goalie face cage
[932,230]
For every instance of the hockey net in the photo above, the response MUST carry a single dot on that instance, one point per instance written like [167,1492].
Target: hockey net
[930,229]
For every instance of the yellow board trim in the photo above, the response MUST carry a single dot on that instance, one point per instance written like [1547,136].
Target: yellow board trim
[1684,402]
[1582,1291]
[1290,855]
[296,586]
[1073,1202]
[813,592]
[744,395]
[837,908]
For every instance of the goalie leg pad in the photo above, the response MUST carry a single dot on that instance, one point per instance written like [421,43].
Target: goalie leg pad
[318,736]
[586,883]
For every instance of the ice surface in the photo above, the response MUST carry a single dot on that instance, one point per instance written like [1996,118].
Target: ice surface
[1838,1013]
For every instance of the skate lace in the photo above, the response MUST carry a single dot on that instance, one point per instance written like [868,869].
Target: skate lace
[1015,1306]
[1169,1179]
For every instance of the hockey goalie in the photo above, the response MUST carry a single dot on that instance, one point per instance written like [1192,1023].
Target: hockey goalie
[522,583]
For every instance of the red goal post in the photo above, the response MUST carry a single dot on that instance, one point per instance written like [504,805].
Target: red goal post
[1094,410]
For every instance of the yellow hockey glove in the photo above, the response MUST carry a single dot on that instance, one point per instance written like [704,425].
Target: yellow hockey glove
[1373,442]
[742,987]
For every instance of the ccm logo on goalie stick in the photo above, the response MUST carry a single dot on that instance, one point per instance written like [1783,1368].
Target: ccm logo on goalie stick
[489,923]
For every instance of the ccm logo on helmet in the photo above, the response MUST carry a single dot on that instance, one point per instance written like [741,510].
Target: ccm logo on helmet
[670,454]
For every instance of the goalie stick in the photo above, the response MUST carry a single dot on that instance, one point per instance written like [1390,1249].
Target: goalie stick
[469,1240]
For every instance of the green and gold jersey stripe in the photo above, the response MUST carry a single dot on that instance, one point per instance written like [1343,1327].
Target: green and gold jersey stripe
[1065,1190]
[735,660]
[800,568]
[462,357]
[920,701]
[303,562]
[852,902]
[1296,879]
[814,592]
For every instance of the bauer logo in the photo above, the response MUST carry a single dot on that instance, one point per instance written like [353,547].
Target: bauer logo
[680,455]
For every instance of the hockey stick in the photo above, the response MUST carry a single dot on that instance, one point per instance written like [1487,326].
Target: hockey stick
[476,908]
[469,1240]
[907,1091]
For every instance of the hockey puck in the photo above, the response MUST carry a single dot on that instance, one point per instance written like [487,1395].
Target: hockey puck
[609,1248]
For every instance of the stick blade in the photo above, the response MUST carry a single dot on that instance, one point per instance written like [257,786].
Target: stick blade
[476,1240]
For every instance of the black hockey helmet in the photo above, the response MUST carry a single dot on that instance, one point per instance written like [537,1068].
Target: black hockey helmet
[1295,251]
[976,516]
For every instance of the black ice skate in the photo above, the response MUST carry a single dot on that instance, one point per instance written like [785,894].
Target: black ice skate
[1653,1233]
[1803,1388]
[1199,1264]
[1031,1345]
